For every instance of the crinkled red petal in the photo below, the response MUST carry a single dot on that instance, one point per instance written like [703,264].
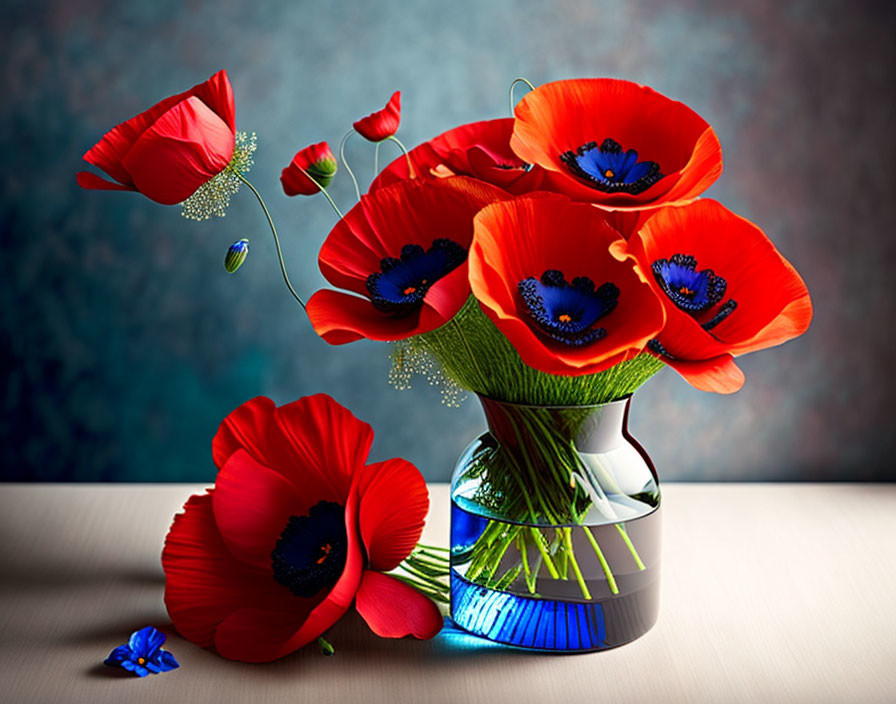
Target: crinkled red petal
[718,374]
[394,503]
[179,152]
[109,152]
[393,609]
[381,124]
[325,446]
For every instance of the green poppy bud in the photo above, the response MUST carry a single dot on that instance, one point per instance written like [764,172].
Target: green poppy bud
[236,255]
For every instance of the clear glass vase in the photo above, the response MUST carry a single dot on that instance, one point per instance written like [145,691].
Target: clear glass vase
[555,529]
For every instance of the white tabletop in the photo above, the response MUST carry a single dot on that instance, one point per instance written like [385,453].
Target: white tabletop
[770,593]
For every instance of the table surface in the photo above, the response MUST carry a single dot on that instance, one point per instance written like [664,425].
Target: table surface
[770,592]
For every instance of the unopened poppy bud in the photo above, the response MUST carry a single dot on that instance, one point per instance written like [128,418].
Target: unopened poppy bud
[236,255]
[315,161]
[323,171]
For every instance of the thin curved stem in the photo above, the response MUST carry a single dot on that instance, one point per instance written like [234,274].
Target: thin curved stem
[345,163]
[512,86]
[376,159]
[404,149]
[324,191]
[276,240]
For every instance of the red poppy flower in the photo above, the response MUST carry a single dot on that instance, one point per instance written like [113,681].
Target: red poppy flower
[169,151]
[725,287]
[316,160]
[296,528]
[479,149]
[381,124]
[402,253]
[616,144]
[541,269]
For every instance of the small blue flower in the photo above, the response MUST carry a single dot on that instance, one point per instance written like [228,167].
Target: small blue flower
[143,654]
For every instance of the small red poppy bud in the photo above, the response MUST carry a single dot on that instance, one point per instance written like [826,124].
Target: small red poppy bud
[381,124]
[316,161]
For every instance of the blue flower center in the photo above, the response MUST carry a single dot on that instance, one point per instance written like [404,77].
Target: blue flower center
[567,312]
[311,551]
[697,292]
[401,284]
[610,169]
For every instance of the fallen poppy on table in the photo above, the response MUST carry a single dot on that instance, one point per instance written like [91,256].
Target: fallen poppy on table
[616,144]
[725,287]
[296,528]
[402,253]
[541,269]
[143,654]
[381,124]
[169,151]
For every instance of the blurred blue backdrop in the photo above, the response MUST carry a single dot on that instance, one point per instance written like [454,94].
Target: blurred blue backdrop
[125,343]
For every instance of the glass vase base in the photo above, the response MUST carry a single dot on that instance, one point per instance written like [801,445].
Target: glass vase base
[552,625]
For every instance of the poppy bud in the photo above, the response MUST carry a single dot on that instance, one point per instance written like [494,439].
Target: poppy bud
[236,255]
[316,161]
[381,124]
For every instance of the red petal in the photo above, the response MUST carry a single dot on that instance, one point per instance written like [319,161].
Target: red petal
[394,503]
[180,151]
[381,124]
[341,317]
[393,609]
[719,374]
[94,182]
[326,446]
[252,506]
[247,427]
[204,583]
[109,152]
[259,634]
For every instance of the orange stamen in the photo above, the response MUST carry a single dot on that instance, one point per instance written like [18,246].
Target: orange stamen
[327,549]
[685,291]
[141,661]
[609,173]
[409,290]
[564,318]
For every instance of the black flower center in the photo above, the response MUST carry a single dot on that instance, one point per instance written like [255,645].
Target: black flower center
[311,551]
[565,311]
[401,285]
[607,168]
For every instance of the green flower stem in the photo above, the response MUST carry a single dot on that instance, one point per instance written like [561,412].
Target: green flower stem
[631,547]
[567,539]
[611,580]
[376,159]
[276,240]
[404,149]
[345,162]
[324,191]
[512,86]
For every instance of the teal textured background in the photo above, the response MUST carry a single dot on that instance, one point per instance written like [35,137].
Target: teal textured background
[125,342]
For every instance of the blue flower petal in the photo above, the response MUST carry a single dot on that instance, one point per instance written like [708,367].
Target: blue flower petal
[155,638]
[117,656]
[166,661]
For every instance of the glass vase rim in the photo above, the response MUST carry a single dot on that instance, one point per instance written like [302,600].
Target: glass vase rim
[551,406]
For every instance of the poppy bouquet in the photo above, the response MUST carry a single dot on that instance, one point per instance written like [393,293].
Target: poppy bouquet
[558,257]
